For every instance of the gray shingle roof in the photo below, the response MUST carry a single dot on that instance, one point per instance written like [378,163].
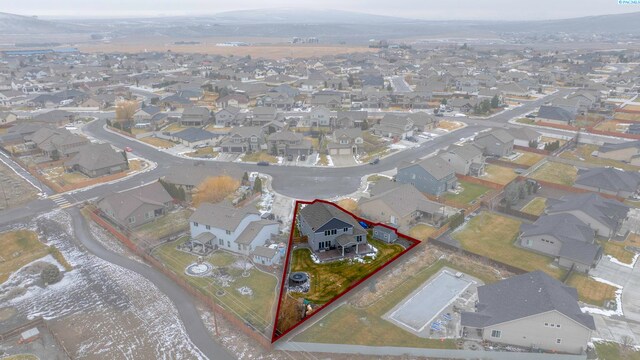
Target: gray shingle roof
[557,113]
[405,199]
[194,134]
[522,296]
[607,211]
[251,231]
[606,147]
[221,216]
[436,166]
[126,202]
[500,134]
[318,214]
[466,151]
[96,156]
[609,179]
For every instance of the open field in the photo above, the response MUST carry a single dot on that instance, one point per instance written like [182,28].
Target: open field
[591,291]
[470,193]
[499,174]
[259,156]
[14,190]
[332,278]
[535,206]
[614,351]
[269,50]
[421,231]
[556,173]
[157,142]
[528,158]
[255,309]
[492,235]
[18,248]
[583,153]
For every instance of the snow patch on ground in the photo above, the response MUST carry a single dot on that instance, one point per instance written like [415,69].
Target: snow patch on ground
[605,312]
[329,161]
[630,266]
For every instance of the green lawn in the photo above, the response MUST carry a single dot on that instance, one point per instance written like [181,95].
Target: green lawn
[169,224]
[613,351]
[255,309]
[492,235]
[471,192]
[328,280]
[556,173]
[535,206]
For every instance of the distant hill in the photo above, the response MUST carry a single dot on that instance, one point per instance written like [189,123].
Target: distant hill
[603,24]
[11,24]
[303,16]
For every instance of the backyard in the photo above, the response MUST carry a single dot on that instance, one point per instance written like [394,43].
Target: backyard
[255,309]
[556,173]
[331,279]
[528,158]
[492,235]
[535,206]
[469,193]
[591,291]
[499,174]
[421,231]
[583,153]
[170,224]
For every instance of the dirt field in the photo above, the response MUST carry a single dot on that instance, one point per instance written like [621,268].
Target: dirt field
[14,190]
[259,48]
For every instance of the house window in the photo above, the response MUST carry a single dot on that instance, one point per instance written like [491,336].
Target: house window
[327,233]
[228,244]
[334,231]
[132,219]
[496,334]
[557,325]
[228,232]
[345,229]
[220,242]
[207,227]
[239,247]
[558,341]
[195,224]
[546,324]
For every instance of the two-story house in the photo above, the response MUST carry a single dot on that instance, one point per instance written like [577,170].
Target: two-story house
[239,230]
[346,142]
[394,126]
[432,175]
[319,116]
[328,227]
[285,143]
[497,142]
[195,116]
[466,159]
[243,139]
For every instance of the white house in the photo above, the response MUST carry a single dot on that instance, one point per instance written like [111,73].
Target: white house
[239,230]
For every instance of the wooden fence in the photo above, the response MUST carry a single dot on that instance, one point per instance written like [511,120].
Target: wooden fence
[477,181]
[241,324]
[508,164]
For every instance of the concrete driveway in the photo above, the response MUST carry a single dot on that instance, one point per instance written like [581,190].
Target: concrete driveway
[343,160]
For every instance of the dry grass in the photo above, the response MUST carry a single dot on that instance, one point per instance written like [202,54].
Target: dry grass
[207,152]
[617,248]
[591,291]
[422,231]
[323,161]
[556,173]
[208,46]
[535,206]
[612,126]
[259,156]
[632,107]
[528,158]
[450,125]
[498,174]
[174,127]
[348,204]
[583,153]
[547,139]
[626,116]
[492,235]
[157,142]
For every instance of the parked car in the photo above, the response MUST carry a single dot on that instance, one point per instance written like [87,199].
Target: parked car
[263,163]
[128,149]
[290,157]
[374,161]
[303,157]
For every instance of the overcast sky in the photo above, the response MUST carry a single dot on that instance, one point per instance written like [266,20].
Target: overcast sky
[423,9]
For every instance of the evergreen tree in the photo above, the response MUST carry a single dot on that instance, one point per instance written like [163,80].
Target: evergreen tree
[245,178]
[495,102]
[257,185]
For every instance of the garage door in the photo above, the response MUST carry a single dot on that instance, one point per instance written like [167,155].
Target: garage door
[345,151]
[333,151]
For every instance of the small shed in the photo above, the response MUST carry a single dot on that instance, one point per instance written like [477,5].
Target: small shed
[385,234]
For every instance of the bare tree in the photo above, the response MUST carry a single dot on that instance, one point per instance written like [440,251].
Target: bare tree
[125,110]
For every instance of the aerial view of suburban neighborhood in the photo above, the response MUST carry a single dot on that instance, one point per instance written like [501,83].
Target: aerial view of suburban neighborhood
[320,180]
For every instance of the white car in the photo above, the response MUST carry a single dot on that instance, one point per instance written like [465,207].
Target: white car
[459,115]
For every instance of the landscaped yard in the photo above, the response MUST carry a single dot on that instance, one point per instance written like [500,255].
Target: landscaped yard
[583,153]
[18,248]
[499,174]
[332,278]
[614,351]
[172,223]
[259,156]
[556,173]
[421,231]
[535,206]
[528,158]
[157,142]
[492,235]
[255,309]
[469,193]
[591,291]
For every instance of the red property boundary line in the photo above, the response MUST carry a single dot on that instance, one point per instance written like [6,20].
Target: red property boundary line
[370,224]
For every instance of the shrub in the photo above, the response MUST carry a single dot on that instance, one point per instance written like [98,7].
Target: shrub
[50,274]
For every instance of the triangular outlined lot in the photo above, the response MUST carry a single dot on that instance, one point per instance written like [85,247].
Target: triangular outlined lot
[336,255]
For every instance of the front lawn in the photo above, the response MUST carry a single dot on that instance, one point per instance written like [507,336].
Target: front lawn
[328,280]
[469,193]
[591,291]
[206,152]
[499,174]
[259,156]
[492,235]
[157,142]
[536,206]
[556,173]
[255,309]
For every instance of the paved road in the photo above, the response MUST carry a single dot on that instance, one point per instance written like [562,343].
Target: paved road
[191,320]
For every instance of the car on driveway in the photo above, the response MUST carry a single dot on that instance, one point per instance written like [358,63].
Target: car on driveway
[263,163]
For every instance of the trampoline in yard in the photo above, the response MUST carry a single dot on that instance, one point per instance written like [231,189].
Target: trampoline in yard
[422,307]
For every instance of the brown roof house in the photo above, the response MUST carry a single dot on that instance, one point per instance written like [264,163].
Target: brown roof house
[134,207]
